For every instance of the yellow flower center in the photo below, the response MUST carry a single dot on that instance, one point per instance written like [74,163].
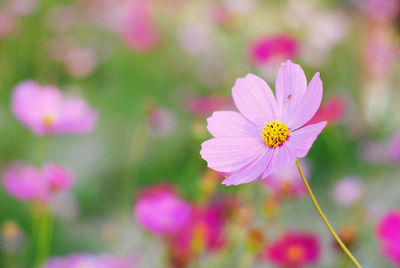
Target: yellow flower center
[295,253]
[48,120]
[275,133]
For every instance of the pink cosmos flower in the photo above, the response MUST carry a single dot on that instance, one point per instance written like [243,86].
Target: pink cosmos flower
[348,191]
[44,110]
[138,30]
[89,261]
[332,111]
[267,134]
[273,48]
[29,184]
[294,250]
[287,182]
[161,211]
[388,232]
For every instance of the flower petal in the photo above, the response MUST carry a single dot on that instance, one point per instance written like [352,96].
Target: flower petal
[254,99]
[307,106]
[282,157]
[251,172]
[301,140]
[228,154]
[290,85]
[231,124]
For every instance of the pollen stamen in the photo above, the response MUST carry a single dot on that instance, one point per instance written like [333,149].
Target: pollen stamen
[48,120]
[275,133]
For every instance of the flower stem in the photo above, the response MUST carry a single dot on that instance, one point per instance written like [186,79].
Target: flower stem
[342,245]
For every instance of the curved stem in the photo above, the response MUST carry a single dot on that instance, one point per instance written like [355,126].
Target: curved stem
[342,245]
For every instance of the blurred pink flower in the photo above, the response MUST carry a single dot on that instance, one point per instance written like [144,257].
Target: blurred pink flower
[160,121]
[44,110]
[380,10]
[375,152]
[24,7]
[138,28]
[294,250]
[201,106]
[348,191]
[89,261]
[57,178]
[394,146]
[221,15]
[381,53]
[332,111]
[388,232]
[80,61]
[273,49]
[7,23]
[287,182]
[196,39]
[160,210]
[267,134]
[29,184]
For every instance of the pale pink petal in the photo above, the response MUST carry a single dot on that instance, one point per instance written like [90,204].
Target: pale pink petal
[308,105]
[76,117]
[252,171]
[254,99]
[231,124]
[290,85]
[230,154]
[32,103]
[301,140]
[282,157]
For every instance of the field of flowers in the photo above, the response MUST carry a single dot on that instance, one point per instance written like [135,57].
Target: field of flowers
[191,134]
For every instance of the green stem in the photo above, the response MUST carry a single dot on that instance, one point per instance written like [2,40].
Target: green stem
[44,236]
[313,199]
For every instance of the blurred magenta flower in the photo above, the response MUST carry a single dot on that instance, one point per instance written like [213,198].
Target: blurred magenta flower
[294,250]
[273,49]
[332,111]
[287,182]
[29,184]
[80,260]
[388,232]
[138,29]
[201,106]
[204,232]
[44,110]
[348,191]
[161,211]
[267,134]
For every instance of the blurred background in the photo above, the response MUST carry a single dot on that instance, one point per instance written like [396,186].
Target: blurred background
[130,189]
